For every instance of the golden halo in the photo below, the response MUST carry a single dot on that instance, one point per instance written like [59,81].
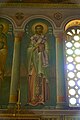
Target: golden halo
[5,27]
[45,27]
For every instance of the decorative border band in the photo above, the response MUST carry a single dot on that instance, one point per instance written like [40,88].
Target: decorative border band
[39,5]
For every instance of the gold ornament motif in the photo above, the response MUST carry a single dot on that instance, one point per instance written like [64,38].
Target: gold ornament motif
[72,23]
[19,15]
[45,27]
[57,16]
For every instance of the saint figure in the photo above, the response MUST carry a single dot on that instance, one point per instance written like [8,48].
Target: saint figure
[37,64]
[3,51]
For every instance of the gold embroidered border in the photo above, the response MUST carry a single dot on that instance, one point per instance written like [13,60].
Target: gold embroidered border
[39,5]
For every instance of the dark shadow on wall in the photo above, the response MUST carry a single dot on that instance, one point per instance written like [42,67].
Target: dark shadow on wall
[39,1]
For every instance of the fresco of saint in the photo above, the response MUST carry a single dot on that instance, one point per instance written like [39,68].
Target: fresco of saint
[37,64]
[3,50]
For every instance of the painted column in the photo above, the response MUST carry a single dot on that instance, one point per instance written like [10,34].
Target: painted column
[15,76]
[60,79]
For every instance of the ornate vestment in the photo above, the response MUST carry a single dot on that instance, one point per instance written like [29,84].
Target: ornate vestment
[37,63]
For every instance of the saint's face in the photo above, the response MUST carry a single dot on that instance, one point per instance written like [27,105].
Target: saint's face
[39,30]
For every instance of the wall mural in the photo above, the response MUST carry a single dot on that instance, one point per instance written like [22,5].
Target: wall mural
[37,68]
[38,63]
[3,51]
[6,51]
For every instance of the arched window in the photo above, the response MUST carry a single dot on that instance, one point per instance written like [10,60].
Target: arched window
[72,62]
